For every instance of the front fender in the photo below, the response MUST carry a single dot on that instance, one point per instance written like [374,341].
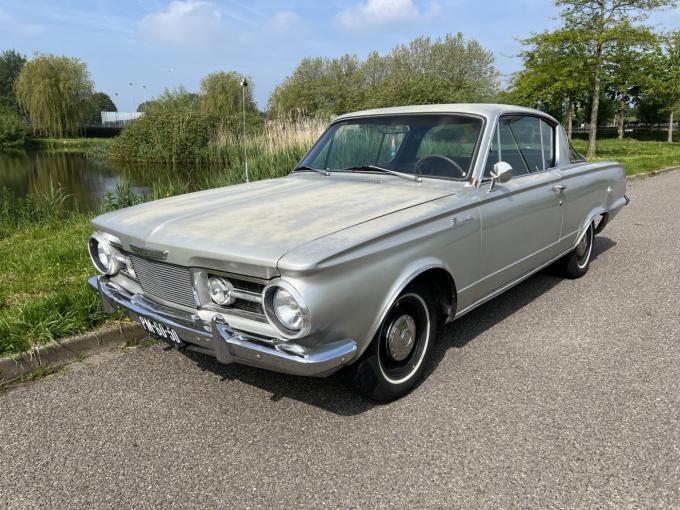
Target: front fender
[410,273]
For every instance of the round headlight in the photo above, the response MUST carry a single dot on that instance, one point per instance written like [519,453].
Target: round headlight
[103,256]
[220,291]
[287,309]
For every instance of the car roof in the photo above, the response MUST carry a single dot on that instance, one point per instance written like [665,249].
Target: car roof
[485,109]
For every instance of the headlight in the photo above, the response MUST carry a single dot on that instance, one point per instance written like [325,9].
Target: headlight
[103,256]
[220,291]
[285,309]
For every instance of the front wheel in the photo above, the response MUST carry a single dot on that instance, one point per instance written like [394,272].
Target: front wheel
[575,264]
[395,361]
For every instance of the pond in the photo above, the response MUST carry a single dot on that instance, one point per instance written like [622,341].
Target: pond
[84,180]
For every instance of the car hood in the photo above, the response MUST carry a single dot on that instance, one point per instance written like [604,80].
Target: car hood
[248,227]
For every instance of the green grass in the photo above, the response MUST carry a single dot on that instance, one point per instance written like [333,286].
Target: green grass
[637,156]
[72,143]
[43,291]
[95,148]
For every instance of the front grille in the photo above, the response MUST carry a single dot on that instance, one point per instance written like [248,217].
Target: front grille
[165,281]
[247,285]
[248,306]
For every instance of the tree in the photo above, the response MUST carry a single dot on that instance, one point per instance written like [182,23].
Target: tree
[55,92]
[12,129]
[175,100]
[555,74]
[603,22]
[627,62]
[449,69]
[100,102]
[11,63]
[221,93]
[665,78]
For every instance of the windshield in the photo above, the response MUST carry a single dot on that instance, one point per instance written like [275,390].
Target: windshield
[427,145]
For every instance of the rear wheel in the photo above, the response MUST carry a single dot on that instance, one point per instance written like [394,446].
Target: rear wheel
[576,263]
[395,361]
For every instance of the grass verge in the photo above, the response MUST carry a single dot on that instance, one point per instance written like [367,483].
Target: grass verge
[637,156]
[43,290]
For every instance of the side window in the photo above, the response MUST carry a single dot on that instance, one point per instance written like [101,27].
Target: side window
[512,150]
[494,154]
[526,133]
[505,147]
[575,157]
[525,143]
[548,140]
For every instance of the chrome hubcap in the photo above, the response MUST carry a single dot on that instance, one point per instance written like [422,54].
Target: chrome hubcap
[401,337]
[582,246]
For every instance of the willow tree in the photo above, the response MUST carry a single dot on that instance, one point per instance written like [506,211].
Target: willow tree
[221,93]
[55,92]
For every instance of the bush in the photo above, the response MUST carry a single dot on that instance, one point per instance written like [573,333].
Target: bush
[173,136]
[12,129]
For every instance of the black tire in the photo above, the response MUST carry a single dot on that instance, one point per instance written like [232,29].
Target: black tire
[392,366]
[576,263]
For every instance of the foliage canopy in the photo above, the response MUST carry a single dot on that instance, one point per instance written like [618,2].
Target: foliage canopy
[443,70]
[11,63]
[55,92]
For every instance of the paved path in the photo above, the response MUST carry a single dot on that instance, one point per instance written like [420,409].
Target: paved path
[556,394]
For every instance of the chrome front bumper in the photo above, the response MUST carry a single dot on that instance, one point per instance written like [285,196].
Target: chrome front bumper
[227,345]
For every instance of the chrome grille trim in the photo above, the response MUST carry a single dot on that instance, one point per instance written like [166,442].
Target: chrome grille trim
[165,281]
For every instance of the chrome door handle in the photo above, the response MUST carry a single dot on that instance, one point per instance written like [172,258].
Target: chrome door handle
[559,188]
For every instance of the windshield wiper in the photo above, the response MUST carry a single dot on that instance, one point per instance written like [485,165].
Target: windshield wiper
[307,168]
[403,175]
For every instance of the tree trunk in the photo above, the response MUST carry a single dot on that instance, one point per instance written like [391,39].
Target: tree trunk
[597,78]
[622,118]
[670,128]
[570,121]
[592,134]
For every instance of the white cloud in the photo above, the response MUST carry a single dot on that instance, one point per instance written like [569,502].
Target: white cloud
[385,12]
[184,22]
[284,21]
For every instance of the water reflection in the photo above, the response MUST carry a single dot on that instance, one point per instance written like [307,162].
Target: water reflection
[84,180]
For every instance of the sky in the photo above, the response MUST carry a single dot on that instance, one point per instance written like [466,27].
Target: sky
[165,43]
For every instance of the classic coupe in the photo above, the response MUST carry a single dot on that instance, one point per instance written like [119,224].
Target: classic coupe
[396,222]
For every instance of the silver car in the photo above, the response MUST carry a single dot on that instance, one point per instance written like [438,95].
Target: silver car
[396,222]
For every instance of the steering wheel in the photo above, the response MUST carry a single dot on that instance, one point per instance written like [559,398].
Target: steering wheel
[418,166]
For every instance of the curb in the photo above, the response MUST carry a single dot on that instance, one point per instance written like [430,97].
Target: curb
[653,173]
[61,352]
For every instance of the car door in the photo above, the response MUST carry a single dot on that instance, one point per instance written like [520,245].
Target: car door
[522,218]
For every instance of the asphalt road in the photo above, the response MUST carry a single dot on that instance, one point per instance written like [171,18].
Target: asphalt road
[556,394]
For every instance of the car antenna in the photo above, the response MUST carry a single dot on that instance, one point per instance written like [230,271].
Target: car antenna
[244,86]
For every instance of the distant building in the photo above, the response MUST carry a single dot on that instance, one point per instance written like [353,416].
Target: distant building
[119,119]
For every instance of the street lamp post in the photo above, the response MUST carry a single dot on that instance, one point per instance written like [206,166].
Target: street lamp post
[244,85]
[133,95]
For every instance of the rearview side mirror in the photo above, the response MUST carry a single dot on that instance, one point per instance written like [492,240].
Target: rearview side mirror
[502,172]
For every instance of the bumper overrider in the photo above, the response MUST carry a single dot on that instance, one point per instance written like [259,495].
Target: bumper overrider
[227,345]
